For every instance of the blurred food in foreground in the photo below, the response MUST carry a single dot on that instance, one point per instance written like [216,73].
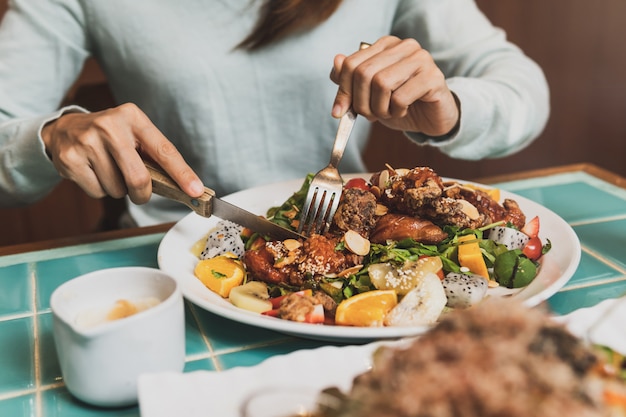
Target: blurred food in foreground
[495,359]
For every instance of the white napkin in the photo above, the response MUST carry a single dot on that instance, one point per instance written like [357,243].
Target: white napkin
[602,324]
[221,394]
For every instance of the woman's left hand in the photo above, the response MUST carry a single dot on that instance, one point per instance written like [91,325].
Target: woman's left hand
[397,83]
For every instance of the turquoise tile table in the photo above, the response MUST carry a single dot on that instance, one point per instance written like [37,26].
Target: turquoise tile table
[590,199]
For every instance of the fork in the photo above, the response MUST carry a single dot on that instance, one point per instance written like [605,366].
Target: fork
[326,186]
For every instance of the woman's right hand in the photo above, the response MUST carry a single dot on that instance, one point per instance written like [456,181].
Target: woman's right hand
[102,152]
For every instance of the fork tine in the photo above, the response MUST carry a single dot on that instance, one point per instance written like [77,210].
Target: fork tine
[326,211]
[319,221]
[306,222]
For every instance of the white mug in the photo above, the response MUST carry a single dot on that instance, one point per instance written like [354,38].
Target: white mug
[101,356]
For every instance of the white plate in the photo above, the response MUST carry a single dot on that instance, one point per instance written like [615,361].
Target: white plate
[175,258]
[202,393]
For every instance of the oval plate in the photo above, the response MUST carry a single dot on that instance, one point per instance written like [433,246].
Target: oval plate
[176,258]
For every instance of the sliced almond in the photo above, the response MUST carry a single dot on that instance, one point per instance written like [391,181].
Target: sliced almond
[349,271]
[469,209]
[287,260]
[375,189]
[356,243]
[291,244]
[382,179]
[401,172]
[381,210]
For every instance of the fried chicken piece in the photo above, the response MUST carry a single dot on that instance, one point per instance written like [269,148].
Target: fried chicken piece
[260,265]
[400,226]
[490,210]
[274,263]
[319,256]
[412,192]
[422,193]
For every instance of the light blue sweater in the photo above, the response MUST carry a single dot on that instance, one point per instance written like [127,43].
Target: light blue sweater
[242,119]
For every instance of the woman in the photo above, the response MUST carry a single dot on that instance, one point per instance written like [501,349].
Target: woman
[236,93]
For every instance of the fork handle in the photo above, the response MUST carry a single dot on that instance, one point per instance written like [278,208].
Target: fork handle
[164,185]
[346,123]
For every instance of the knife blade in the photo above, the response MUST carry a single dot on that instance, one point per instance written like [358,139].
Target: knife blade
[208,204]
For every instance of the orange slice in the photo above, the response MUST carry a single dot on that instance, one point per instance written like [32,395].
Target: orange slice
[366,309]
[220,274]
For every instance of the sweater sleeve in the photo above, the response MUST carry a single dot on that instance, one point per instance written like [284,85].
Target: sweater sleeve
[504,96]
[42,51]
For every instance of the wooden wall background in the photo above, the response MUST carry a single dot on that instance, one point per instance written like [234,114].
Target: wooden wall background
[579,44]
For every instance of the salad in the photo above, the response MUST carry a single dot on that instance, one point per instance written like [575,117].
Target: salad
[404,247]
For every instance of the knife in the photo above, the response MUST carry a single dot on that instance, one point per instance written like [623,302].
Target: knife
[208,204]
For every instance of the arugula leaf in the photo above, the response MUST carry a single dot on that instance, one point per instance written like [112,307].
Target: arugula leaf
[292,207]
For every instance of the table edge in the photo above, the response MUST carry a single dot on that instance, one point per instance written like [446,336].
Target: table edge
[589,168]
[84,239]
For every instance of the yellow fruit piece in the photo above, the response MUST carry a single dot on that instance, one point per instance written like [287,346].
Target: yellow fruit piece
[198,247]
[470,256]
[366,309]
[220,274]
[402,280]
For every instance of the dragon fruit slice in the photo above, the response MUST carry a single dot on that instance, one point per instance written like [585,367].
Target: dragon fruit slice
[509,237]
[223,239]
[464,290]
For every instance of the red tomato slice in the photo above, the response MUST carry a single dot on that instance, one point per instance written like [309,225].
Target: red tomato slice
[315,316]
[271,313]
[357,183]
[276,300]
[533,248]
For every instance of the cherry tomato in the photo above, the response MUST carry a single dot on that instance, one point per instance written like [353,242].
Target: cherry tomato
[533,248]
[357,183]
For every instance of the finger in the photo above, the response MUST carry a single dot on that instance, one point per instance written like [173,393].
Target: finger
[165,154]
[343,75]
[364,67]
[343,98]
[428,85]
[82,174]
[336,70]
[109,175]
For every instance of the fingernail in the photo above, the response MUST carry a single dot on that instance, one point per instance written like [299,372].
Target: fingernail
[196,187]
[336,112]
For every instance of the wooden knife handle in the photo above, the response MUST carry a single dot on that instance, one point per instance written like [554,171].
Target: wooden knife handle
[164,185]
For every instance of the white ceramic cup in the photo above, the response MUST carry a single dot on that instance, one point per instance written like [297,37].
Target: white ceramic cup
[102,359]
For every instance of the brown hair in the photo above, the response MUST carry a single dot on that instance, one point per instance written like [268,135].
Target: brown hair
[280,18]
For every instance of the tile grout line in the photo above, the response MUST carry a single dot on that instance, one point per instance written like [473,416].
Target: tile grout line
[205,339]
[593,284]
[36,353]
[597,220]
[601,258]
[16,394]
